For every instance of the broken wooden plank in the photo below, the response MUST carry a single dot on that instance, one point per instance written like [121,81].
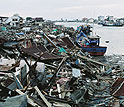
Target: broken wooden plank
[49,85]
[37,101]
[42,96]
[91,60]
[23,75]
[58,88]
[49,40]
[17,81]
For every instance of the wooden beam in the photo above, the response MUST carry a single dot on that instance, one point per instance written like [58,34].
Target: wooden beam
[19,85]
[49,40]
[42,96]
[91,60]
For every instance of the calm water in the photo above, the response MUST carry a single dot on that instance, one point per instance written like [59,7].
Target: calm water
[115,36]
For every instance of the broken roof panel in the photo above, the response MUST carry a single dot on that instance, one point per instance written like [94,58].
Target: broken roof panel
[68,42]
[36,52]
[118,87]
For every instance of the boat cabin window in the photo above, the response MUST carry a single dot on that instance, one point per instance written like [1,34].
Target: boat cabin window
[94,42]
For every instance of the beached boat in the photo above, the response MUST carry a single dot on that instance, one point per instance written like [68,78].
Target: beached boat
[92,46]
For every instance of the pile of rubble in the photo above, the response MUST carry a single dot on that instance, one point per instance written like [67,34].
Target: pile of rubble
[46,69]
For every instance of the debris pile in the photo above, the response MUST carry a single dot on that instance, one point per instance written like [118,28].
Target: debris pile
[44,68]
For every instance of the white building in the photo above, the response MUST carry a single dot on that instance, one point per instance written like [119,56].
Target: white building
[101,18]
[110,18]
[91,20]
[39,21]
[14,20]
[3,19]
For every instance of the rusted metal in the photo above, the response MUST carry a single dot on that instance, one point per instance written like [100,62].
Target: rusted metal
[118,87]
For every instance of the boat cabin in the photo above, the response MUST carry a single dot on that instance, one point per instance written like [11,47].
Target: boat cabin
[94,40]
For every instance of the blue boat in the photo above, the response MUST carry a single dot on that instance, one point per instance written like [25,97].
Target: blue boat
[91,45]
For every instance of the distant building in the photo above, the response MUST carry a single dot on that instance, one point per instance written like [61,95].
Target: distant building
[101,18]
[3,19]
[29,21]
[91,20]
[95,21]
[39,20]
[15,20]
[62,19]
[85,20]
[110,18]
[121,20]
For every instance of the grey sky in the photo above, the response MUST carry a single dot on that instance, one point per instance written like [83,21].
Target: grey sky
[56,9]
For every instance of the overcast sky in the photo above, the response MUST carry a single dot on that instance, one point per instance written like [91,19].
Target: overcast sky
[56,9]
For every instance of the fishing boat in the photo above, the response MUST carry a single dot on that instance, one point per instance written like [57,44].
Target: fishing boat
[112,24]
[91,46]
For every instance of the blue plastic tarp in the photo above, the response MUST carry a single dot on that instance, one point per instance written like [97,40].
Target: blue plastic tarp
[81,35]
[20,33]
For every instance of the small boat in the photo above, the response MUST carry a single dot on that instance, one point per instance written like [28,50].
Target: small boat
[113,24]
[92,46]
